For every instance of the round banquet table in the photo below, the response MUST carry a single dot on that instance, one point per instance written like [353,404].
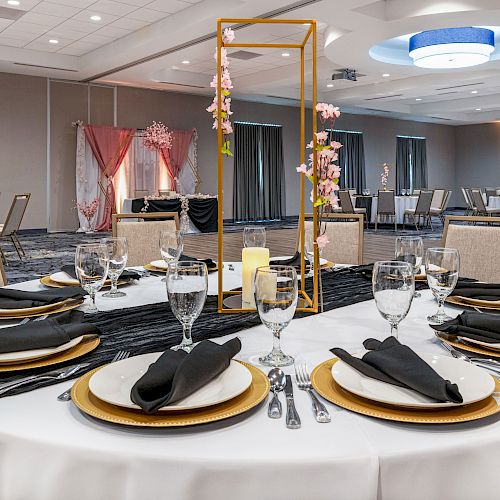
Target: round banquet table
[51,451]
[494,202]
[401,204]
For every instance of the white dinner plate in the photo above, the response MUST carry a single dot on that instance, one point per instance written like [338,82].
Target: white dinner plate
[114,382]
[474,383]
[160,264]
[21,356]
[64,279]
[322,262]
[488,345]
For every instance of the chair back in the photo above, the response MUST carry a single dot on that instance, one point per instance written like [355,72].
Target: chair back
[345,237]
[447,198]
[16,214]
[353,192]
[386,204]
[346,202]
[424,203]
[438,198]
[166,192]
[141,193]
[477,245]
[490,192]
[3,277]
[416,192]
[143,237]
[477,200]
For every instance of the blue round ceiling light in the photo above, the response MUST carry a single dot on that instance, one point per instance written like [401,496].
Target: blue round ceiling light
[452,47]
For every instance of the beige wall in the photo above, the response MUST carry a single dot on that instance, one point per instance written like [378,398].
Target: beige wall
[23,103]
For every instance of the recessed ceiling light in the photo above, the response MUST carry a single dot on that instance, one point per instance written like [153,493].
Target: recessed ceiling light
[53,41]
[285,54]
[329,85]
[478,109]
[96,18]
[185,61]
[386,75]
[474,91]
[13,2]
[418,99]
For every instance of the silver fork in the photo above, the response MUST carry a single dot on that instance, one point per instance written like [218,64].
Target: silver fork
[304,383]
[27,320]
[66,395]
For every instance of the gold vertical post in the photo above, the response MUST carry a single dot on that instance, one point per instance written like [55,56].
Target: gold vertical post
[220,187]
[315,171]
[302,176]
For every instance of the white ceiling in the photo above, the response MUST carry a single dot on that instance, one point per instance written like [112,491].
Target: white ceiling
[143,43]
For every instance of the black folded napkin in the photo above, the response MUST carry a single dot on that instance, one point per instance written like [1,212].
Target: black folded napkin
[177,374]
[294,261]
[475,326]
[22,299]
[50,332]
[396,364]
[211,265]
[475,290]
[126,275]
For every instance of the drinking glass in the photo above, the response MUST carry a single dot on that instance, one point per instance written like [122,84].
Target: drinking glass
[393,286]
[276,301]
[442,266]
[91,266]
[309,249]
[118,255]
[411,249]
[187,284]
[254,236]
[171,246]
[403,192]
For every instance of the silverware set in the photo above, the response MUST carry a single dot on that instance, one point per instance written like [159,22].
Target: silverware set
[27,320]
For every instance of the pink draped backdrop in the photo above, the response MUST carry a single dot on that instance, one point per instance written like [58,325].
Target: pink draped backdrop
[109,145]
[175,157]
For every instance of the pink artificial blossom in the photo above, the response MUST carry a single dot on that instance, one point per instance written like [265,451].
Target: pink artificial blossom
[322,241]
[157,137]
[88,209]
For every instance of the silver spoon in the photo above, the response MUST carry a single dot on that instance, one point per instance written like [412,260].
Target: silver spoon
[277,379]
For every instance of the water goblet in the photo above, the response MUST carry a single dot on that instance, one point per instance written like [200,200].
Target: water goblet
[187,284]
[309,249]
[91,266]
[254,236]
[411,249]
[276,300]
[393,286]
[171,246]
[118,255]
[442,266]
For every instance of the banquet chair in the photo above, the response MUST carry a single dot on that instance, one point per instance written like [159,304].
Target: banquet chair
[13,222]
[141,193]
[421,211]
[469,210]
[439,211]
[346,205]
[3,277]
[345,237]
[477,245]
[490,192]
[416,192]
[386,207]
[480,207]
[143,237]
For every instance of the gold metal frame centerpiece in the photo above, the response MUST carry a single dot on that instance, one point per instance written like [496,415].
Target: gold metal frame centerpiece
[307,302]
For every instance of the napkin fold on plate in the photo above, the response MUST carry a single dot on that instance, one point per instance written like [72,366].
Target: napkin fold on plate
[476,290]
[127,274]
[294,261]
[473,325]
[22,299]
[397,364]
[211,264]
[50,332]
[177,374]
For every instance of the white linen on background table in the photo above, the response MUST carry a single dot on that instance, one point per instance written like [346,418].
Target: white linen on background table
[401,203]
[50,451]
[494,202]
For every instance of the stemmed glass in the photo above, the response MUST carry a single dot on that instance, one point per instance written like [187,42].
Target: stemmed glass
[442,266]
[91,266]
[254,236]
[276,301]
[187,284]
[171,246]
[309,249]
[393,286]
[118,255]
[411,249]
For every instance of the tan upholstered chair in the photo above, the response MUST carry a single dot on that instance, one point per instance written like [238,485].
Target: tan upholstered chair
[345,235]
[477,245]
[421,211]
[3,277]
[439,211]
[479,207]
[143,237]
[141,193]
[386,207]
[13,222]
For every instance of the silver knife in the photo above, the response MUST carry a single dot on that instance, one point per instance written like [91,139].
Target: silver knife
[292,417]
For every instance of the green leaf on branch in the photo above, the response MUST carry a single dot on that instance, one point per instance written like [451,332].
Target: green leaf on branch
[225,92]
[319,201]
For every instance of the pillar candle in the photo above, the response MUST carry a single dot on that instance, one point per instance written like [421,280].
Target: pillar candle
[251,259]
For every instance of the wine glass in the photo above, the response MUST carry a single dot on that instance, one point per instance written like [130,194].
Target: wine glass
[187,284]
[393,286]
[118,255]
[403,192]
[442,266]
[309,248]
[276,301]
[411,249]
[171,246]
[254,236]
[91,266]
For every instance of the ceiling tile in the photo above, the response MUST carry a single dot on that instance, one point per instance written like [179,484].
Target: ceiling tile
[112,32]
[80,44]
[72,51]
[37,29]
[79,26]
[43,46]
[82,4]
[19,35]
[55,9]
[24,5]
[84,15]
[170,6]
[43,19]
[137,3]
[110,7]
[11,42]
[147,15]
[129,24]
[4,23]
[94,38]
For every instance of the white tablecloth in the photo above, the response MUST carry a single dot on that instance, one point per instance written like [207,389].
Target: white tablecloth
[50,451]
[494,202]
[401,204]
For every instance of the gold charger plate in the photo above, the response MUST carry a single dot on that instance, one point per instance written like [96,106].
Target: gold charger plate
[457,300]
[420,277]
[45,280]
[93,406]
[155,269]
[32,312]
[88,343]
[324,384]
[469,347]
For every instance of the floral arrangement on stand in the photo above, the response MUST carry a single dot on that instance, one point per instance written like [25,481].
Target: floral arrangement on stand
[88,210]
[226,86]
[157,137]
[384,176]
[328,173]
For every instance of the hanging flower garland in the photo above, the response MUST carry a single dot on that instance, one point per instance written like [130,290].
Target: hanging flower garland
[226,86]
[384,176]
[157,137]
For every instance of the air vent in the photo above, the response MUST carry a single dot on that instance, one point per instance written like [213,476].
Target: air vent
[383,97]
[288,99]
[46,67]
[439,118]
[446,93]
[377,110]
[461,86]
[11,14]
[182,85]
[244,55]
